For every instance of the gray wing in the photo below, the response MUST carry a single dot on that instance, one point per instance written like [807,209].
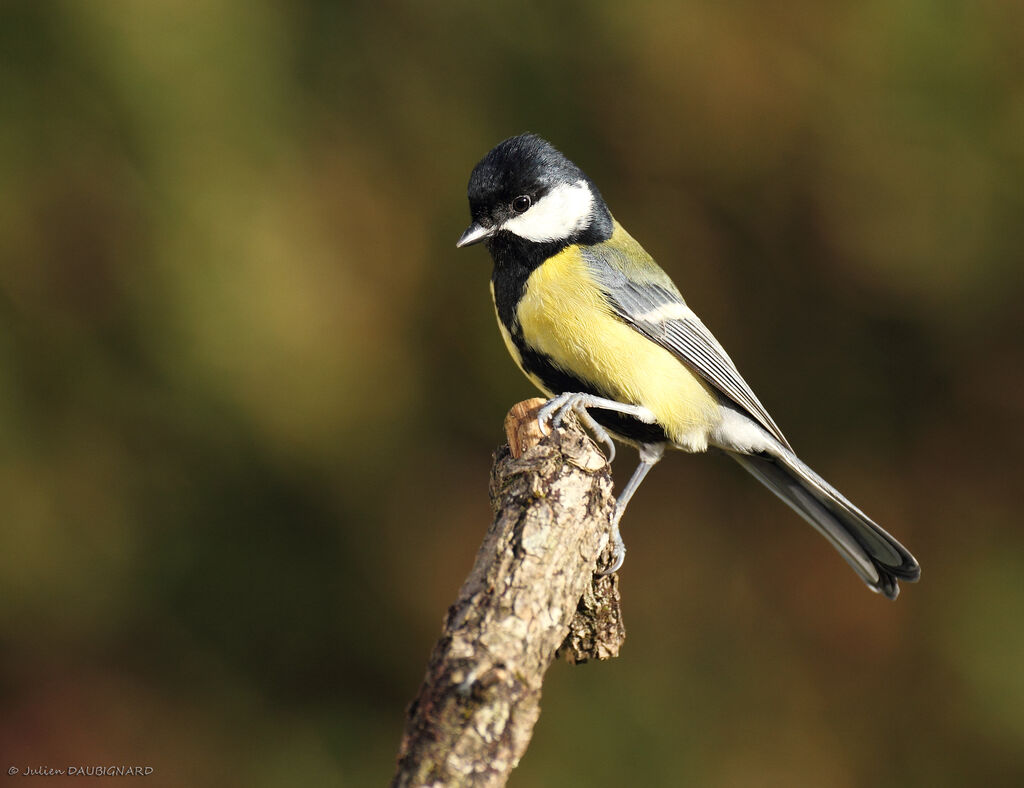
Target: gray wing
[649,302]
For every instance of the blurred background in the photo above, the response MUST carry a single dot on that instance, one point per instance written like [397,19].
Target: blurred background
[249,390]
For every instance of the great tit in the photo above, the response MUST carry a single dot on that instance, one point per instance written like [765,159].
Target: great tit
[596,325]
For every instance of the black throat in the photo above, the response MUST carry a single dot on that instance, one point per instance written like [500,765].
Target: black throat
[514,260]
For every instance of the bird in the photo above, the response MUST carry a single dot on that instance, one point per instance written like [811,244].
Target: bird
[593,321]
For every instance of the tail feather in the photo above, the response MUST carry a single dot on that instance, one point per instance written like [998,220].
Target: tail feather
[875,555]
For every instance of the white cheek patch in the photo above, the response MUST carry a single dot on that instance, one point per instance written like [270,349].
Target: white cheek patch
[564,210]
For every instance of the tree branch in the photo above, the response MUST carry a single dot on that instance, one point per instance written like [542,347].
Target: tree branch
[532,591]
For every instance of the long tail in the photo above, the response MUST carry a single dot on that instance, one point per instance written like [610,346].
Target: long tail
[878,558]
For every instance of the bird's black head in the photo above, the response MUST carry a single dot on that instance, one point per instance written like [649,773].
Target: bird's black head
[528,189]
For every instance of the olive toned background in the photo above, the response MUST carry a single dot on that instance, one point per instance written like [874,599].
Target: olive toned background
[249,389]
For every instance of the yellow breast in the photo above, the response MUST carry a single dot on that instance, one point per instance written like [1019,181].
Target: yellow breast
[563,315]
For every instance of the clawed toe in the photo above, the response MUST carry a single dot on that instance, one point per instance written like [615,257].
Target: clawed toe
[618,554]
[555,410]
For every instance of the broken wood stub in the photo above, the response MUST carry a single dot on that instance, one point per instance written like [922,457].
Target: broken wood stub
[531,594]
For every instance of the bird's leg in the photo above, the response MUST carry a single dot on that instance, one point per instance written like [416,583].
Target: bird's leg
[650,453]
[556,408]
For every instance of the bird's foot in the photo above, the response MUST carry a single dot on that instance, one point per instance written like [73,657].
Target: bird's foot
[574,402]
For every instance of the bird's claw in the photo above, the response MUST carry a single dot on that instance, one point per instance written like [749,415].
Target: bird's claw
[618,554]
[556,409]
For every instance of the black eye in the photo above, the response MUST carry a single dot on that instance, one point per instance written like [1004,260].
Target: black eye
[520,204]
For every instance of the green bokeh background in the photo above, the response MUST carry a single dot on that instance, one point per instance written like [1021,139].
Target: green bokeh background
[249,390]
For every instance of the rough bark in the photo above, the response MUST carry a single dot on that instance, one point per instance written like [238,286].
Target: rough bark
[532,591]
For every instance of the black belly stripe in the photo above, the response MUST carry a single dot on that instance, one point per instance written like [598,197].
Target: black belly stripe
[557,380]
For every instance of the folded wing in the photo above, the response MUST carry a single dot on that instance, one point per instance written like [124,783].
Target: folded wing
[648,301]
